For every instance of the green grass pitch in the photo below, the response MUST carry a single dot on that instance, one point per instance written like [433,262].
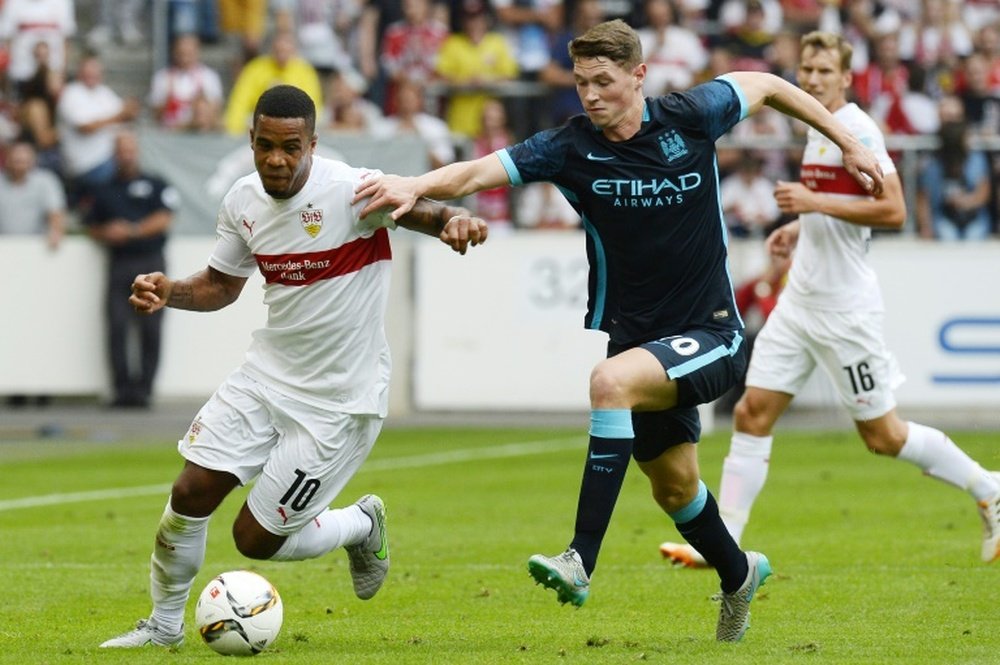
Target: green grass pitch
[873,563]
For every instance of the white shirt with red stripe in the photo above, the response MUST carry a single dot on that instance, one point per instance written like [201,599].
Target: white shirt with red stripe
[830,270]
[326,276]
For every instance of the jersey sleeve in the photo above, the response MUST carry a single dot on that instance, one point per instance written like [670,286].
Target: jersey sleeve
[713,107]
[378,219]
[538,158]
[231,254]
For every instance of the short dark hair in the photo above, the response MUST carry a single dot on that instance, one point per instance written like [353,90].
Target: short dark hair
[614,40]
[286,101]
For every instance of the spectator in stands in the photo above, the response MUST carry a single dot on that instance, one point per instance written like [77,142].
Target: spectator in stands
[558,73]
[32,201]
[887,75]
[187,86]
[130,216]
[540,205]
[856,21]
[674,54]
[89,114]
[735,14]
[987,42]
[802,16]
[768,128]
[749,40]
[954,193]
[410,48]
[347,110]
[783,55]
[246,20]
[980,102]
[913,113]
[936,41]
[528,26]
[747,199]
[281,65]
[326,30]
[26,23]
[36,109]
[410,118]
[494,205]
[475,57]
[116,18]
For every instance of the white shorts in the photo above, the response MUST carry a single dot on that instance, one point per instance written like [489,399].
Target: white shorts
[848,345]
[304,455]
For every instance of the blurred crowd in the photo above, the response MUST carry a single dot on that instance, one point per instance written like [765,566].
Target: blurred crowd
[470,76]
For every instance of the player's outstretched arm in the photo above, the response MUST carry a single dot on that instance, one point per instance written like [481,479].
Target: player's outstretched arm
[204,291]
[448,182]
[761,88]
[455,226]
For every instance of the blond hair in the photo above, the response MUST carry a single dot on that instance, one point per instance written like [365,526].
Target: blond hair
[823,41]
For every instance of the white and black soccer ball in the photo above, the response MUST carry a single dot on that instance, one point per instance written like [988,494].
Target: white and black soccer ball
[239,613]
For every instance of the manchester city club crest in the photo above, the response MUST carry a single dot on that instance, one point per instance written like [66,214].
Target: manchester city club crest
[312,220]
[673,145]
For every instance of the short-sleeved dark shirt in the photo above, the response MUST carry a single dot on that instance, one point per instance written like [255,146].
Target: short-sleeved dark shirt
[132,200]
[656,238]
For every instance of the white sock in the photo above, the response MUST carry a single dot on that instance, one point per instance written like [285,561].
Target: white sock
[177,557]
[743,474]
[330,530]
[939,457]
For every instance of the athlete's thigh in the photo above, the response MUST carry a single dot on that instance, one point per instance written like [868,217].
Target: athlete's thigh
[318,453]
[234,431]
[704,362]
[851,349]
[781,360]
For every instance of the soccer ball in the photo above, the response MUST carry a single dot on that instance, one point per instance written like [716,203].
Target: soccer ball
[239,613]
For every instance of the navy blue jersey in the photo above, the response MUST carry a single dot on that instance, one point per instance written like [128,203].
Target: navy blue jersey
[656,239]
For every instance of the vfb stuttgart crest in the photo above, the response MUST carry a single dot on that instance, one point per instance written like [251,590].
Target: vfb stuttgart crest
[312,220]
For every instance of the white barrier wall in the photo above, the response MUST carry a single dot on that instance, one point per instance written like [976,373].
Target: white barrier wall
[497,329]
[501,328]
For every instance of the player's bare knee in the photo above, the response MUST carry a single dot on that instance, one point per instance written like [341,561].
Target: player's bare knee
[606,386]
[748,417]
[675,494]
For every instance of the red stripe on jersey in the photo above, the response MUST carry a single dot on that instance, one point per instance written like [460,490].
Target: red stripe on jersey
[830,179]
[302,269]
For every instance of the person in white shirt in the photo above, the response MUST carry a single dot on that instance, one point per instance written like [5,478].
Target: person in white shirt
[830,315]
[674,54]
[25,23]
[179,89]
[303,411]
[88,114]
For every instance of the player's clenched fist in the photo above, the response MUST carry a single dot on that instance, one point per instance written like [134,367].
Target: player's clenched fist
[150,292]
[462,230]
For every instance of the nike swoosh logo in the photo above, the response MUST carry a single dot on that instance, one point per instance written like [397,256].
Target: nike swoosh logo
[383,551]
[598,158]
[608,456]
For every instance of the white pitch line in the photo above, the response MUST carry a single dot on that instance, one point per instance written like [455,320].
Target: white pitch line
[409,462]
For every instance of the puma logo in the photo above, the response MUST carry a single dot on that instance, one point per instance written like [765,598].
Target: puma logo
[249,226]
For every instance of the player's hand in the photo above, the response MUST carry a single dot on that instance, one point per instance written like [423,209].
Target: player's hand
[391,191]
[861,163]
[150,292]
[781,242]
[794,198]
[461,231]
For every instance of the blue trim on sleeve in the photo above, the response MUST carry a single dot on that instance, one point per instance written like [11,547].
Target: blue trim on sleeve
[611,423]
[725,235]
[509,166]
[693,509]
[744,107]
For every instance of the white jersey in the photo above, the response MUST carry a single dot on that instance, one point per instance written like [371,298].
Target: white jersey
[830,270]
[326,276]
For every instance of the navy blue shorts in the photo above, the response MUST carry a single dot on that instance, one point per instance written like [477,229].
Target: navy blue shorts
[705,363]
